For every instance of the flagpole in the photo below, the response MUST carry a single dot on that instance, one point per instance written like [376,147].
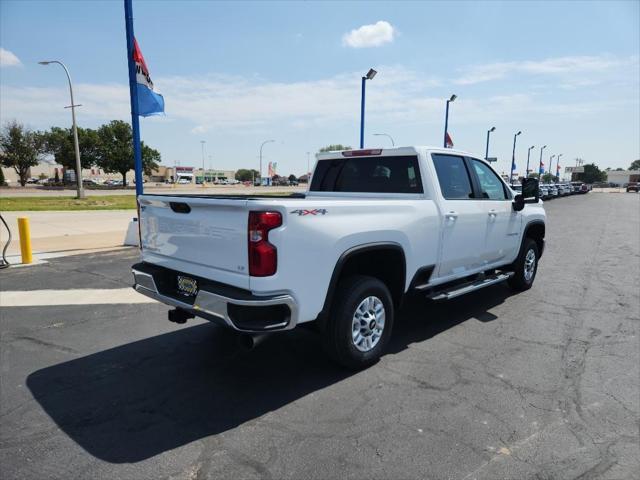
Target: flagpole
[540,172]
[133,92]
[513,157]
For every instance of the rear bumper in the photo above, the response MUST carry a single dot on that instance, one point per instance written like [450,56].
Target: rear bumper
[228,306]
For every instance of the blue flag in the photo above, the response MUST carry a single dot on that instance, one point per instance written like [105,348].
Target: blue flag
[149,102]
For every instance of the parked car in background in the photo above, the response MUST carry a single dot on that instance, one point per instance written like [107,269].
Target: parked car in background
[280,182]
[183,181]
[633,187]
[544,191]
[553,190]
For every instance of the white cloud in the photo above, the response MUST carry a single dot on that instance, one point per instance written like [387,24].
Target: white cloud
[232,104]
[562,66]
[372,35]
[8,59]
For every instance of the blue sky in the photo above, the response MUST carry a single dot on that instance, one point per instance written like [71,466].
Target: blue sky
[234,74]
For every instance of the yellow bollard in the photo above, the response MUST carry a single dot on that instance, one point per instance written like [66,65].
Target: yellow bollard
[25,239]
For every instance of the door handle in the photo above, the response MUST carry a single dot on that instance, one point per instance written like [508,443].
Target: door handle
[451,215]
[492,213]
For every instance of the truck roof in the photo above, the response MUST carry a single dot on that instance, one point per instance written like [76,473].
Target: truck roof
[393,151]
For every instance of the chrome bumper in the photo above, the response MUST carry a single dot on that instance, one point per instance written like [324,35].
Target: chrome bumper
[213,306]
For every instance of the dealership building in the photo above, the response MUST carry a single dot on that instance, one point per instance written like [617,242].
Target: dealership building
[191,174]
[622,177]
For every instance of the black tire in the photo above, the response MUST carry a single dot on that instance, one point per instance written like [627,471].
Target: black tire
[519,280]
[337,336]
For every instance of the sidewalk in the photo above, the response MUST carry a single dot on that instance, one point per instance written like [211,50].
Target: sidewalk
[66,233]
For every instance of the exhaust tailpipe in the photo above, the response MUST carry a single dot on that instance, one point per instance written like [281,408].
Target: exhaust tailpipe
[178,315]
[249,341]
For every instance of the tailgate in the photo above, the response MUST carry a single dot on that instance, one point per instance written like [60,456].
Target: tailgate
[206,237]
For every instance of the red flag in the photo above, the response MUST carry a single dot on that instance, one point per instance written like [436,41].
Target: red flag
[448,141]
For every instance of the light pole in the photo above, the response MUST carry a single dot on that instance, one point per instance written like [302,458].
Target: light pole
[540,171]
[393,144]
[308,171]
[446,119]
[486,152]
[369,76]
[262,145]
[202,142]
[526,173]
[551,163]
[76,146]
[558,166]
[513,156]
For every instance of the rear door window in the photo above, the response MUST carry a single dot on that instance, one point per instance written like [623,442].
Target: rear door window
[453,177]
[368,175]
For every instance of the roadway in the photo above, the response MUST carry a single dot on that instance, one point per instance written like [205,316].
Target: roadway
[543,384]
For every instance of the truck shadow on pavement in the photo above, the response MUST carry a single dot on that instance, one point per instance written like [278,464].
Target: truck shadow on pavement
[135,401]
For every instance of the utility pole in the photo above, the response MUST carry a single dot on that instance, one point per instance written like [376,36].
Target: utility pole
[76,145]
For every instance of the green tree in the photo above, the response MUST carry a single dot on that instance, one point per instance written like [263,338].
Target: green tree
[244,175]
[548,177]
[292,178]
[593,174]
[20,149]
[635,165]
[331,148]
[60,144]
[115,150]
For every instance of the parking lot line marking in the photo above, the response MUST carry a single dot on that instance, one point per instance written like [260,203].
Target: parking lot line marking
[79,296]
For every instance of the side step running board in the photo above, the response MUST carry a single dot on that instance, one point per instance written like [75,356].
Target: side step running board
[458,290]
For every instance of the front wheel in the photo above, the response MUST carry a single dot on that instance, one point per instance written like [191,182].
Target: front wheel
[526,266]
[360,322]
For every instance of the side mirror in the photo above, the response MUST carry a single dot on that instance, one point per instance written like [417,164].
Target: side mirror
[531,190]
[518,202]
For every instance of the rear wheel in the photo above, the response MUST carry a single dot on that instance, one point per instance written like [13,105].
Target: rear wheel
[525,267]
[360,322]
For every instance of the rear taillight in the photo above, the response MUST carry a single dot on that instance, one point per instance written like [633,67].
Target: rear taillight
[263,256]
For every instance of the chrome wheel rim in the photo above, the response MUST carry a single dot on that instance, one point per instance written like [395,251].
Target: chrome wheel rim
[529,265]
[368,324]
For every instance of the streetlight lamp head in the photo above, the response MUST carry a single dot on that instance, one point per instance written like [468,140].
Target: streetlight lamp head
[453,97]
[370,74]
[44,62]
[519,132]
[493,129]
[533,146]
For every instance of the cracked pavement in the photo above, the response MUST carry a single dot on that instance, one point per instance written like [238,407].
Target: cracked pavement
[543,384]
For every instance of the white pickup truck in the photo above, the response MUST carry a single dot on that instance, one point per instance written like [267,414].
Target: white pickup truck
[373,226]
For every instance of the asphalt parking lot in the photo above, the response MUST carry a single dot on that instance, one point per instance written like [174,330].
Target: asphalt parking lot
[544,384]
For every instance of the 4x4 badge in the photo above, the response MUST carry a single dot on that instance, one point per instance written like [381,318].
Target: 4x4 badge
[316,211]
